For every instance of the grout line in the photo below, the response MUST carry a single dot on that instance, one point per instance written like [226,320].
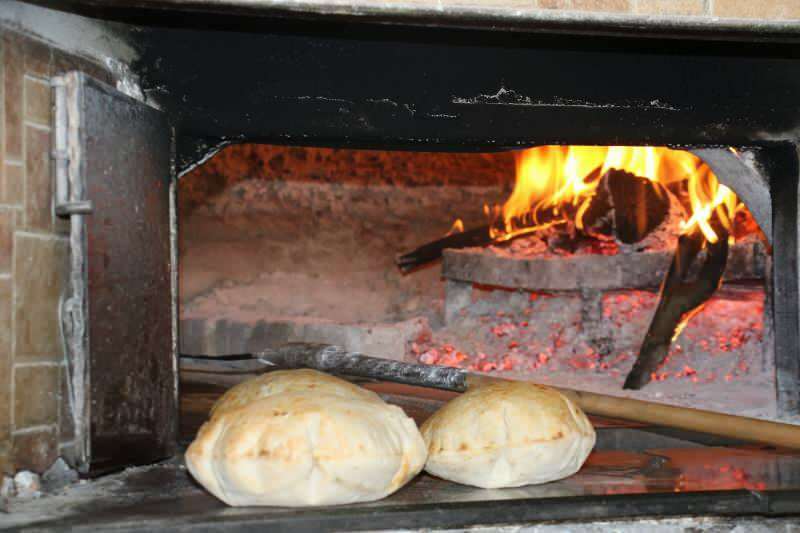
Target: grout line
[43,236]
[14,162]
[33,364]
[34,429]
[3,190]
[24,157]
[37,126]
[24,220]
[5,276]
[12,386]
[36,79]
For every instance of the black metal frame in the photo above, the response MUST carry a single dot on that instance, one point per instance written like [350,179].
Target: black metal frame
[367,86]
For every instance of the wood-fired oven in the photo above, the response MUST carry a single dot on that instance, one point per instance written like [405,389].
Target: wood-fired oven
[272,172]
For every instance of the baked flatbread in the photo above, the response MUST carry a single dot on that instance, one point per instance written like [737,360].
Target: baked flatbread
[507,434]
[304,438]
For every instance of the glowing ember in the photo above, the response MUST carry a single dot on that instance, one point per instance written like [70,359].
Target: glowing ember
[547,339]
[556,184]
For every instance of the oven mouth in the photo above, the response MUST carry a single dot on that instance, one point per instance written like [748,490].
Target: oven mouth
[550,263]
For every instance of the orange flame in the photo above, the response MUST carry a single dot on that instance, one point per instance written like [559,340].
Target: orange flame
[551,178]
[457,227]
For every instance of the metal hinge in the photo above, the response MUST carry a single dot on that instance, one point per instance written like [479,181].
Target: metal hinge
[70,186]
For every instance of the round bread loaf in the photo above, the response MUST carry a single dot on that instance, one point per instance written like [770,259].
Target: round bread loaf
[294,444]
[282,381]
[507,435]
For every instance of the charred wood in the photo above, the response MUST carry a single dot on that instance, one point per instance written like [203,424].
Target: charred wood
[680,299]
[639,205]
[625,206]
[432,251]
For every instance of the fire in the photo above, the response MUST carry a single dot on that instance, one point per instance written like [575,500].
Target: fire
[556,184]
[457,227]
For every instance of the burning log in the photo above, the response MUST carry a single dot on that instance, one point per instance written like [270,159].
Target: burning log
[427,253]
[639,205]
[626,206]
[680,299]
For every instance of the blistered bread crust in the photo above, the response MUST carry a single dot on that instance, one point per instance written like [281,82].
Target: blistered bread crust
[281,381]
[301,446]
[507,434]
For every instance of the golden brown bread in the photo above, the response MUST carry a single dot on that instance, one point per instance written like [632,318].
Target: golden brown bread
[281,381]
[302,437]
[507,434]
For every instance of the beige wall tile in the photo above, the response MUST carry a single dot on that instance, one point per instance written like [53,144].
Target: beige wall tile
[37,391]
[66,423]
[12,97]
[5,361]
[2,125]
[601,5]
[763,9]
[505,4]
[587,5]
[671,7]
[6,458]
[35,451]
[38,101]
[38,58]
[38,180]
[40,274]
[7,224]
[13,186]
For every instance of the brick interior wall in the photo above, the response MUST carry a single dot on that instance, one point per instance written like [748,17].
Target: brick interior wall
[34,426]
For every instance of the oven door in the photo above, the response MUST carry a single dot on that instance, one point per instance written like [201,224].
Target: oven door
[114,182]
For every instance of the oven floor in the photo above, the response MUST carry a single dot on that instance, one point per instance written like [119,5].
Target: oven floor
[635,471]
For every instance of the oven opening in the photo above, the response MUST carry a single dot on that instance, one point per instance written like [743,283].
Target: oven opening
[562,265]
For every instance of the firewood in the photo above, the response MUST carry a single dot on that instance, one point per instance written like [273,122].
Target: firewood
[432,251]
[680,298]
[639,205]
[625,206]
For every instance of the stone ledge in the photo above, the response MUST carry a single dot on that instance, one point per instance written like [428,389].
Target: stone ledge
[639,270]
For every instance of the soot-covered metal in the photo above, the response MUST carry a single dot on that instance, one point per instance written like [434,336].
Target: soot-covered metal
[389,87]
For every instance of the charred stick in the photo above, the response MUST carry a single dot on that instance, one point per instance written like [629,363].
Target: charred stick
[679,300]
[432,251]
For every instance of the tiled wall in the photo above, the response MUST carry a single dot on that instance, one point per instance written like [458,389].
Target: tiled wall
[717,9]
[34,428]
[750,9]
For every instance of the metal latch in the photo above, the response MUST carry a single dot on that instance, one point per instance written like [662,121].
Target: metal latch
[70,186]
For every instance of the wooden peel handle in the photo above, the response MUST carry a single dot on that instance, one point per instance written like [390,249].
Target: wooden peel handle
[698,420]
[338,360]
